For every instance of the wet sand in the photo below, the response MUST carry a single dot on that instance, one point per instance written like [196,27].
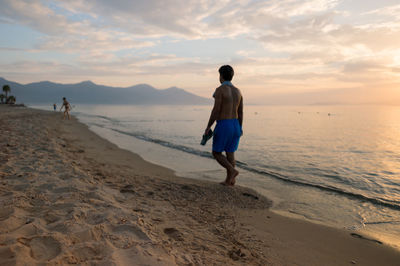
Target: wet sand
[68,196]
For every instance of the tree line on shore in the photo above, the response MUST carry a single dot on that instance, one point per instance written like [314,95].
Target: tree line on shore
[4,98]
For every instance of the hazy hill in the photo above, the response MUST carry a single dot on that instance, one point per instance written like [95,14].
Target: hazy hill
[88,92]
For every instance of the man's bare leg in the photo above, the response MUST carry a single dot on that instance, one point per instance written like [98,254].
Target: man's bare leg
[231,172]
[66,115]
[230,156]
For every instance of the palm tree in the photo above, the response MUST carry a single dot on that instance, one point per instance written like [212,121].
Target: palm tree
[11,99]
[6,89]
[2,96]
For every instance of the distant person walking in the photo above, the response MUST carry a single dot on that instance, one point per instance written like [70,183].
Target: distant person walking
[67,108]
[55,107]
[228,112]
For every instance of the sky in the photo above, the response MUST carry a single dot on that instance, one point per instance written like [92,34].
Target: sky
[331,50]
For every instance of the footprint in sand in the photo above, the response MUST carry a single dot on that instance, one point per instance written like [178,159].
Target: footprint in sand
[6,256]
[132,231]
[8,221]
[174,234]
[51,217]
[88,252]
[5,213]
[94,217]
[126,236]
[44,248]
[127,189]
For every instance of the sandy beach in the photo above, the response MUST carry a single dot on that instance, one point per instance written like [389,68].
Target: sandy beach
[68,196]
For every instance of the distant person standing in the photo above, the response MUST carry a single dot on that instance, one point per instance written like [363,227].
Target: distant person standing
[67,108]
[228,112]
[55,107]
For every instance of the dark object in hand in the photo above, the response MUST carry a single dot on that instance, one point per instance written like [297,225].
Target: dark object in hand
[206,137]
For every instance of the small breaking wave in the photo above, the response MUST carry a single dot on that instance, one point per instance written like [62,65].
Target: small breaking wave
[377,201]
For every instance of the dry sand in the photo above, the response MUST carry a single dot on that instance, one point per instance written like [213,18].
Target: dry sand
[68,196]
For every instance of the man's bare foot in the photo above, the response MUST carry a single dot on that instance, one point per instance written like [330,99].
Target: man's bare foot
[229,178]
[233,181]
[232,177]
[224,183]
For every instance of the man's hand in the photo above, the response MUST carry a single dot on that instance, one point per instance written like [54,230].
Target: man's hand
[206,131]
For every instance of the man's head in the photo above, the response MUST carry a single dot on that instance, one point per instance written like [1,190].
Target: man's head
[225,73]
[64,99]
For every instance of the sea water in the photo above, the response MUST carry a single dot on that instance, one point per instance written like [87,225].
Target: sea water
[334,165]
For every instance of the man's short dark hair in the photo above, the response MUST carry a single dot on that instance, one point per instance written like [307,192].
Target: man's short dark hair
[226,72]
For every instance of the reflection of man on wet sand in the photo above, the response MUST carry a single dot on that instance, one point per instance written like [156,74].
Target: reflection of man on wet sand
[67,107]
[228,112]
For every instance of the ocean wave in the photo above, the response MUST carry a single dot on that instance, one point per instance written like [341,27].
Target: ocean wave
[253,168]
[243,165]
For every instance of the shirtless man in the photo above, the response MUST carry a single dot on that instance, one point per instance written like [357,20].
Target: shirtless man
[228,112]
[67,108]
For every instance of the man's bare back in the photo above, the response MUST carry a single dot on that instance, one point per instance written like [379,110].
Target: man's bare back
[229,98]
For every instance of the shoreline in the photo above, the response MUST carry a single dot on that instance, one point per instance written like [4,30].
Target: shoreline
[291,200]
[92,202]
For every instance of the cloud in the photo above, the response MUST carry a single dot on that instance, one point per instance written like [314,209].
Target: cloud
[143,69]
[33,14]
[190,19]
[150,18]
[391,11]
[63,32]
[283,45]
[13,49]
[92,43]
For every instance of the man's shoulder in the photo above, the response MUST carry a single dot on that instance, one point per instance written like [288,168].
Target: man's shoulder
[222,86]
[222,89]
[219,89]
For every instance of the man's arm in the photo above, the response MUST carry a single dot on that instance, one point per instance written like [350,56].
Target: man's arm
[216,109]
[240,111]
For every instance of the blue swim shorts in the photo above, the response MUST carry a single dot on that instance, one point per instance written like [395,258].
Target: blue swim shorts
[226,137]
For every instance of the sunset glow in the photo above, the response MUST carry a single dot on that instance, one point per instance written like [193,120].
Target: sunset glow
[331,50]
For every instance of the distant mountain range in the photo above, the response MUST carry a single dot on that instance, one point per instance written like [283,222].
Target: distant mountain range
[88,92]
